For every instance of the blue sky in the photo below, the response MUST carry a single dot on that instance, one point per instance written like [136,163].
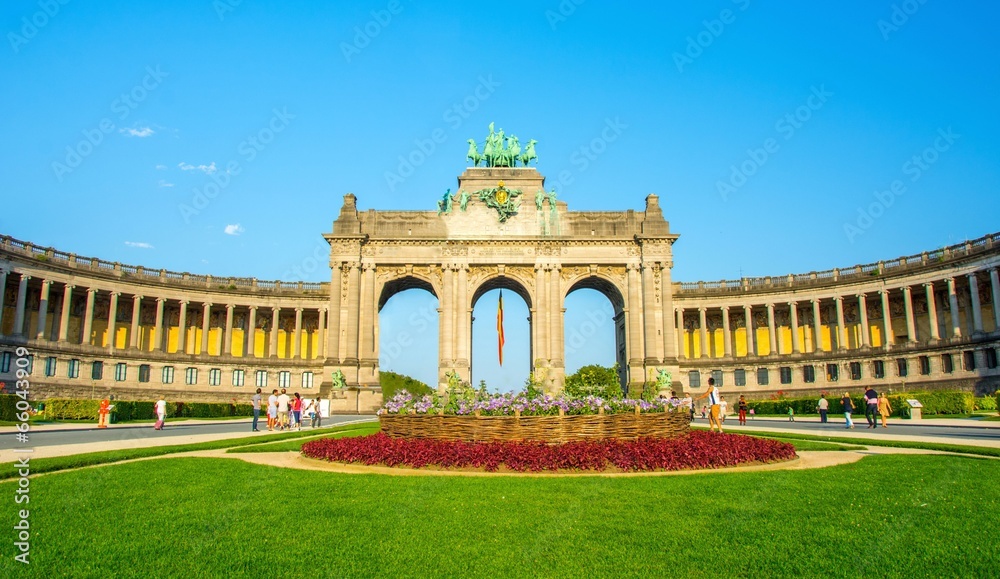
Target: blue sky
[767,129]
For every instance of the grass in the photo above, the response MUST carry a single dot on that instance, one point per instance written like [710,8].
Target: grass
[57,463]
[801,444]
[296,444]
[911,516]
[943,447]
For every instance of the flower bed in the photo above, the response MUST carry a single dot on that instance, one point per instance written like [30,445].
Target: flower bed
[697,450]
[553,429]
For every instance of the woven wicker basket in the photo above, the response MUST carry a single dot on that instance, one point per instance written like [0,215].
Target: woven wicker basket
[554,429]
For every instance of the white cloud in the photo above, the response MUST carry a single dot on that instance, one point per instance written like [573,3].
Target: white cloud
[138,244]
[161,167]
[234,229]
[141,132]
[163,183]
[206,169]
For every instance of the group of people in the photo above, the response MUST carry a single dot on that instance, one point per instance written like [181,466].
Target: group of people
[876,406]
[285,412]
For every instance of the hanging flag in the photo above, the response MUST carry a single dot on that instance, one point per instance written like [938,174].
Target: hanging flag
[500,339]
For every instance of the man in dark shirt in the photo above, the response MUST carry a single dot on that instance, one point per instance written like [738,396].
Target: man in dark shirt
[871,407]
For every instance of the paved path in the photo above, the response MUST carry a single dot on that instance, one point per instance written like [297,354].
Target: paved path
[76,439]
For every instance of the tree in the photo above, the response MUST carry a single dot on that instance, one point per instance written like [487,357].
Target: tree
[393,383]
[594,380]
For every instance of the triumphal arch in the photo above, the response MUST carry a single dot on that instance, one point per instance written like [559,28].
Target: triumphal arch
[501,229]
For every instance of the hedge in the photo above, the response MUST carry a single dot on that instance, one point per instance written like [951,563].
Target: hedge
[8,407]
[986,403]
[126,410]
[933,403]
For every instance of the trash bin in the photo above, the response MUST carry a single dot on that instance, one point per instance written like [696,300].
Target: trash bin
[915,409]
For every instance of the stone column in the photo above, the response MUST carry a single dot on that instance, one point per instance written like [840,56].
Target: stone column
[22,297]
[748,322]
[3,291]
[887,320]
[112,319]
[251,333]
[558,350]
[841,327]
[911,326]
[133,333]
[464,323]
[297,335]
[636,348]
[793,312]
[353,307]
[653,355]
[680,333]
[88,318]
[977,307]
[703,332]
[333,318]
[668,340]
[206,325]
[727,339]
[539,319]
[321,334]
[956,327]
[369,313]
[227,341]
[866,338]
[994,289]
[817,327]
[67,302]
[932,311]
[182,329]
[446,320]
[43,310]
[158,338]
[772,332]
[272,347]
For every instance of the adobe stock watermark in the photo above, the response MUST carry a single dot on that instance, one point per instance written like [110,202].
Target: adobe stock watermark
[122,106]
[578,337]
[786,126]
[899,16]
[247,150]
[563,11]
[454,117]
[310,264]
[419,321]
[224,7]
[33,24]
[915,167]
[364,35]
[22,493]
[584,156]
[706,37]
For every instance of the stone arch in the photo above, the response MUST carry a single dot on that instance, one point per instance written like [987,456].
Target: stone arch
[506,282]
[513,284]
[402,283]
[607,287]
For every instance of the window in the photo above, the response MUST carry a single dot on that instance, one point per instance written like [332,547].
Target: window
[855,370]
[5,362]
[50,366]
[694,379]
[785,374]
[191,376]
[284,379]
[214,377]
[763,379]
[740,377]
[991,358]
[832,372]
[969,360]
[947,364]
[73,369]
[902,368]
[30,367]
[925,365]
[307,379]
[121,369]
[143,373]
[809,374]
[260,378]
[717,374]
[167,376]
[97,370]
[238,377]
[878,368]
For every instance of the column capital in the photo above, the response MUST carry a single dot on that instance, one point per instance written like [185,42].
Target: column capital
[838,298]
[136,297]
[162,300]
[253,308]
[230,306]
[115,294]
[46,282]
[25,277]
[929,284]
[815,300]
[184,302]
[701,309]
[725,309]
[276,309]
[207,304]
[92,290]
[298,310]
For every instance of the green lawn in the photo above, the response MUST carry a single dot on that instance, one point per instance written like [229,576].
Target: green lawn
[296,444]
[885,516]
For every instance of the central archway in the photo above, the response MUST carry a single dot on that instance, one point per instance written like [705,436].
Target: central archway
[584,330]
[407,329]
[518,327]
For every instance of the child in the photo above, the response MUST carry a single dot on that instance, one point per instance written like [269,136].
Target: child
[752,413]
[791,414]
[743,410]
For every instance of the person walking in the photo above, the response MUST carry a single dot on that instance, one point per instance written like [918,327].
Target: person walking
[297,411]
[255,401]
[723,409]
[791,414]
[871,407]
[714,398]
[884,408]
[283,403]
[161,413]
[823,406]
[743,410]
[848,409]
[315,418]
[272,409]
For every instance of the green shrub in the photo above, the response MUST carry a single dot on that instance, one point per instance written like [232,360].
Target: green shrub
[998,400]
[60,409]
[986,403]
[392,383]
[8,407]
[934,403]
[127,410]
[595,380]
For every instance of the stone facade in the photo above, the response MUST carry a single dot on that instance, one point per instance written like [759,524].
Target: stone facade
[930,320]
